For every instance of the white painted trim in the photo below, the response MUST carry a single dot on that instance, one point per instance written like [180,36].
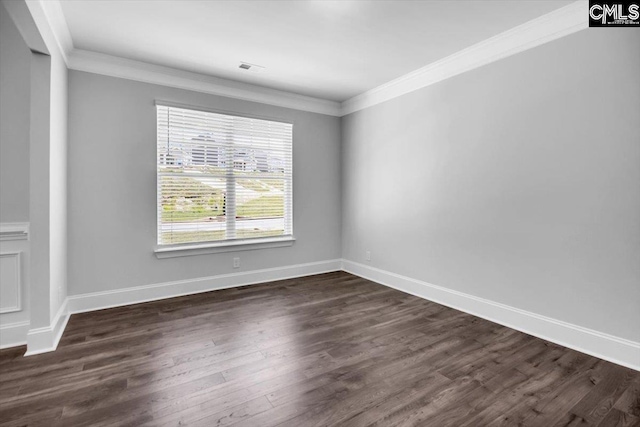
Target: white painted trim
[113,66]
[52,26]
[13,334]
[604,346]
[554,25]
[225,246]
[59,27]
[608,347]
[14,231]
[46,339]
[17,255]
[23,19]
[116,298]
[198,107]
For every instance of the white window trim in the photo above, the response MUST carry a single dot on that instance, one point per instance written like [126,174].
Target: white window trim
[190,249]
[197,107]
[233,245]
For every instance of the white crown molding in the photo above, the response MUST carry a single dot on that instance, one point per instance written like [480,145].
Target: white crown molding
[50,20]
[52,26]
[559,23]
[113,66]
[58,23]
[604,346]
[22,17]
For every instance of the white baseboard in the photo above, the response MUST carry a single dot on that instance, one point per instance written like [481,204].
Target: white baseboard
[13,334]
[608,347]
[100,300]
[45,339]
[604,346]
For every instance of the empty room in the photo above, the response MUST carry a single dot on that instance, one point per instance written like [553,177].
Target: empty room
[319,213]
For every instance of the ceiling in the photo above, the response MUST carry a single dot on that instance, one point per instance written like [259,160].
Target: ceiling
[331,50]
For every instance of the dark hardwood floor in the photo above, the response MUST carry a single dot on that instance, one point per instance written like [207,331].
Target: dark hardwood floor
[326,350]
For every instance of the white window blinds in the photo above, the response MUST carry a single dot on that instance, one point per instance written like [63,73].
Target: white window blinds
[222,177]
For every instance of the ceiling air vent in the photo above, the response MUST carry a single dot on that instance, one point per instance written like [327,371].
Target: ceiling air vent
[251,67]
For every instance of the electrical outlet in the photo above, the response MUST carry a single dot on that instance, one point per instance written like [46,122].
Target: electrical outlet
[236,263]
[368,256]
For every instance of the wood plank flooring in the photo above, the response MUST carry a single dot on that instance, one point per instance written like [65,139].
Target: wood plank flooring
[326,350]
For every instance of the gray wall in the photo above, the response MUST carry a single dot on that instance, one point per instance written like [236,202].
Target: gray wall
[112,187]
[15,81]
[15,59]
[516,182]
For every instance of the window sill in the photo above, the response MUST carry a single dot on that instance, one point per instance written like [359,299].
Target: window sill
[230,246]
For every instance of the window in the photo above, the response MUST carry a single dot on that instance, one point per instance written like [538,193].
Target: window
[222,177]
